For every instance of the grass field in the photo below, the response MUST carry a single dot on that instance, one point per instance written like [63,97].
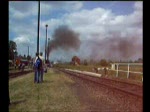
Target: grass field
[79,67]
[132,68]
[110,73]
[53,94]
[90,67]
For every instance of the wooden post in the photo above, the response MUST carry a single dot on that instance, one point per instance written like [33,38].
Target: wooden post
[117,70]
[46,43]
[128,71]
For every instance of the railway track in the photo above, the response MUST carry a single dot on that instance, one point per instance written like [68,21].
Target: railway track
[128,88]
[20,73]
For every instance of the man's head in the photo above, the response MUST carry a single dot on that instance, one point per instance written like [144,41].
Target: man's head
[41,53]
[37,54]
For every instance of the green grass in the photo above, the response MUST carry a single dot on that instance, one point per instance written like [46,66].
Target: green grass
[53,95]
[79,67]
[110,73]
[132,68]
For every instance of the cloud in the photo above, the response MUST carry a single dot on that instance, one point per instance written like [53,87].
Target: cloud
[23,41]
[73,5]
[102,23]
[138,6]
[22,9]
[21,6]
[97,24]
[63,5]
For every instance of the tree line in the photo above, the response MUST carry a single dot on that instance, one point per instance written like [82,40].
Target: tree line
[13,53]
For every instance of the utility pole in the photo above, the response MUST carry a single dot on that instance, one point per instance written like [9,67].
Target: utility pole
[46,43]
[14,55]
[28,50]
[48,49]
[38,27]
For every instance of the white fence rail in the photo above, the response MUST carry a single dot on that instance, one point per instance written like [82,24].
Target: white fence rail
[116,65]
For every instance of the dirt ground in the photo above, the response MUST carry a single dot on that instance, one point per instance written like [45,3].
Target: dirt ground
[96,98]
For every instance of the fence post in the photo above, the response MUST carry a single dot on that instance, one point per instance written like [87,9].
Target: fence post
[128,71]
[117,70]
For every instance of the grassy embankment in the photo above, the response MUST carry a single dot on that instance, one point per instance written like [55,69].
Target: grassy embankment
[54,94]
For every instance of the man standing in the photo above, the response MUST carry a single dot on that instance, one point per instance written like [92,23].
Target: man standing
[35,69]
[42,68]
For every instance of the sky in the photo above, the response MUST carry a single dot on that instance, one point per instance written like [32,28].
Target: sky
[106,29]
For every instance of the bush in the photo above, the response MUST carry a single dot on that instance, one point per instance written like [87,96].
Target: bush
[103,62]
[85,62]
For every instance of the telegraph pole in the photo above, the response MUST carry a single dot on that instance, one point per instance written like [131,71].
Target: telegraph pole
[46,43]
[38,27]
[28,50]
[48,49]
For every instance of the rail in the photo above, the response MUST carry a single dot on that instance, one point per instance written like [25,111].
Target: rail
[125,87]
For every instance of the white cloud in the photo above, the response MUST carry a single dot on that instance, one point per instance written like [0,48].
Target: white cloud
[22,9]
[72,5]
[23,39]
[52,23]
[63,5]
[138,5]
[45,9]
[97,23]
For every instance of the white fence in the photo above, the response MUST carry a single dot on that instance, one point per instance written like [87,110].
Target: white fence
[115,67]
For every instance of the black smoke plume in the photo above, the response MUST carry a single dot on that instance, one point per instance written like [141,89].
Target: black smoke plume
[64,38]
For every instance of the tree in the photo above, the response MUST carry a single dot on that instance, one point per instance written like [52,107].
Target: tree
[28,57]
[20,56]
[130,61]
[103,62]
[91,61]
[24,57]
[12,48]
[110,61]
[85,62]
[75,60]
[140,60]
